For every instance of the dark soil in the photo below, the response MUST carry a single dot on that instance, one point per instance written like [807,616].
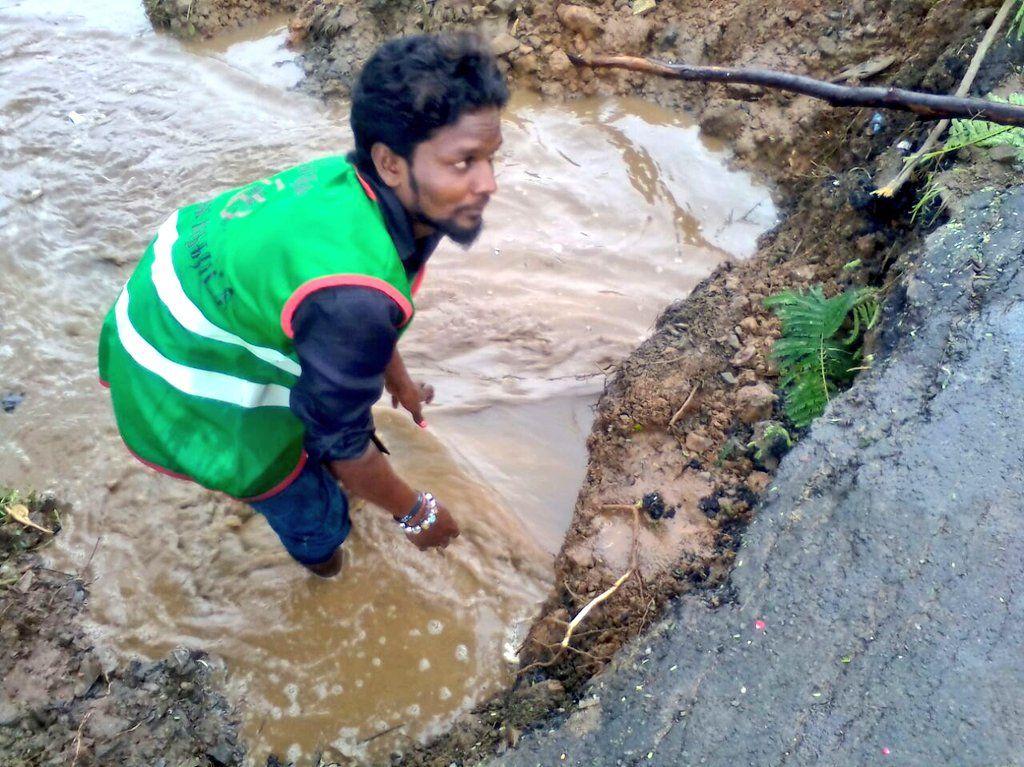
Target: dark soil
[59,705]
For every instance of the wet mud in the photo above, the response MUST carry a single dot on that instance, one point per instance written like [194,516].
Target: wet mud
[405,643]
[61,704]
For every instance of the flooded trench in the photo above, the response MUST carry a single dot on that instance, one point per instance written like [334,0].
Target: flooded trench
[606,211]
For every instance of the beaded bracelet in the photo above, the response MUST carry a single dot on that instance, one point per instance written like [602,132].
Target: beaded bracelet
[412,514]
[427,523]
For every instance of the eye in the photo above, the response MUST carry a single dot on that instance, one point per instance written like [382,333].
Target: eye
[462,165]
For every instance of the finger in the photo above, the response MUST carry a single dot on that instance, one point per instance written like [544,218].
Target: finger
[417,417]
[394,401]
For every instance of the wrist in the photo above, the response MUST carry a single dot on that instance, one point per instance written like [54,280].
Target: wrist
[421,517]
[404,504]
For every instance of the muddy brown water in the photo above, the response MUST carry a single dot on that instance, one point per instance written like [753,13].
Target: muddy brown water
[606,211]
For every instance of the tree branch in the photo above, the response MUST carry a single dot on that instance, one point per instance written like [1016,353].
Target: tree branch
[929,106]
[890,189]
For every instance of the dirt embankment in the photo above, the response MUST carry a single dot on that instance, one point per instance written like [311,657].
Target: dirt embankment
[873,620]
[59,703]
[205,18]
[787,138]
[684,416]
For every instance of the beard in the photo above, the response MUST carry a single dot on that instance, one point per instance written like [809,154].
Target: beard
[463,235]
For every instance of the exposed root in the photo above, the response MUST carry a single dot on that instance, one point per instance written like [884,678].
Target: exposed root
[686,407]
[890,189]
[582,614]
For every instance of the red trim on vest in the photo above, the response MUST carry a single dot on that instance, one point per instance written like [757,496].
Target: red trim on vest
[104,384]
[282,484]
[366,188]
[337,280]
[279,487]
[418,282]
[157,467]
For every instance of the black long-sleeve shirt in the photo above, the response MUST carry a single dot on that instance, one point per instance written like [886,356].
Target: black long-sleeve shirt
[344,338]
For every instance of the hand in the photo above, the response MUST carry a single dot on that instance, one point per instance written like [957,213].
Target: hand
[438,535]
[412,396]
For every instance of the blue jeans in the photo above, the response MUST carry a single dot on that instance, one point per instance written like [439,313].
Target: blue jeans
[310,516]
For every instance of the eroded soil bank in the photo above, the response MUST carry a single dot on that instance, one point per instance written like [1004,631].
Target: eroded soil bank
[873,614]
[59,703]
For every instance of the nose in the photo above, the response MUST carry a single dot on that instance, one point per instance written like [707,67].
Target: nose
[484,182]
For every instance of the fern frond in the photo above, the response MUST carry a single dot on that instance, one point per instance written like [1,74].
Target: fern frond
[982,133]
[813,356]
[1017,25]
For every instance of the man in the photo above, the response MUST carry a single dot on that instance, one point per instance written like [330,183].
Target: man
[259,328]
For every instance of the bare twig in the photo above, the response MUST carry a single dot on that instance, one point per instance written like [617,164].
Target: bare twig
[634,555]
[382,733]
[685,407]
[911,163]
[89,560]
[582,614]
[619,506]
[78,738]
[929,106]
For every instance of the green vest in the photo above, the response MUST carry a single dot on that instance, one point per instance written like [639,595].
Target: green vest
[197,350]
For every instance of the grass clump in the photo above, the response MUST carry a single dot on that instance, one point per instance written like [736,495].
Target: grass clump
[820,347]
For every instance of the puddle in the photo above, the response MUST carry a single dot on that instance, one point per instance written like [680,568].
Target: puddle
[607,211]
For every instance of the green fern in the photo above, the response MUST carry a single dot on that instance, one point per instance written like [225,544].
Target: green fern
[982,133]
[1017,25]
[930,204]
[814,355]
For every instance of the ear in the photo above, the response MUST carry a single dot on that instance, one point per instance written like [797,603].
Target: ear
[391,167]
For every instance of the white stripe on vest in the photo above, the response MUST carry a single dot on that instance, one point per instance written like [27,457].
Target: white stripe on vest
[198,383]
[188,315]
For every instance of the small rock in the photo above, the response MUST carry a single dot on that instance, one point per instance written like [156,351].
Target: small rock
[770,441]
[749,324]
[758,481]
[755,403]
[579,18]
[803,272]
[223,754]
[1005,154]
[580,557]
[827,46]
[25,582]
[743,357]
[346,18]
[697,442]
[747,378]
[11,401]
[527,64]
[504,44]
[729,378]
[10,713]
[503,6]
[558,62]
[89,672]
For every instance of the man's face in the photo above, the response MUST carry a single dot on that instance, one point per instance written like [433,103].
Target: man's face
[450,179]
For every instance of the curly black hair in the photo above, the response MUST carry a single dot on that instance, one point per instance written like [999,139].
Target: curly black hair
[413,86]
